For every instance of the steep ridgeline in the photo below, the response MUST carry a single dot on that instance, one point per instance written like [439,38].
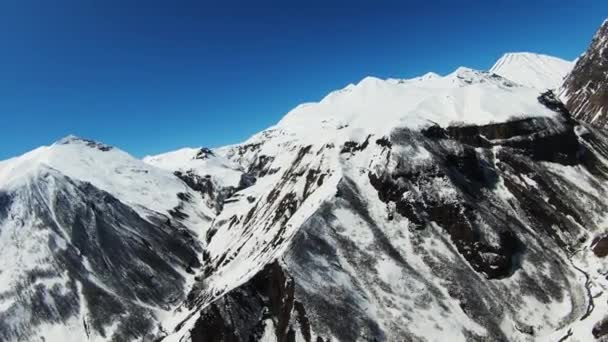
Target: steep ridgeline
[466,207]
[585,90]
[95,245]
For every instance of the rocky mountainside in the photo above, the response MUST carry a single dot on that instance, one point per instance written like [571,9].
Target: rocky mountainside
[464,207]
[585,90]
[468,212]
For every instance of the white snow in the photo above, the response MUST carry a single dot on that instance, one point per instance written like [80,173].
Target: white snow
[533,70]
[223,170]
[376,106]
[129,179]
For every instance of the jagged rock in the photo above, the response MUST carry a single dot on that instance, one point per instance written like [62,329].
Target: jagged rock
[204,153]
[585,90]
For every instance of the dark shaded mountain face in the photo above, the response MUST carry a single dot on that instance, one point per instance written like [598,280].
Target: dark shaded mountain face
[95,244]
[585,90]
[96,265]
[476,233]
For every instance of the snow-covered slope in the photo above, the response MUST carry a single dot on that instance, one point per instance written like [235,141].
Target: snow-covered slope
[110,169]
[375,106]
[200,160]
[96,245]
[533,70]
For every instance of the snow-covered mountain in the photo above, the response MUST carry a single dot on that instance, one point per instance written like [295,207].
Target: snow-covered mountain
[533,70]
[585,90]
[437,208]
[465,207]
[95,244]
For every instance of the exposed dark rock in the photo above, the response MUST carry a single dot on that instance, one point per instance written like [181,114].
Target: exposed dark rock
[240,315]
[586,87]
[210,233]
[456,219]
[312,177]
[384,142]
[247,180]
[434,132]
[549,100]
[541,139]
[261,166]
[204,153]
[471,170]
[5,204]
[244,149]
[352,146]
[87,142]
[600,329]
[178,213]
[600,247]
[216,196]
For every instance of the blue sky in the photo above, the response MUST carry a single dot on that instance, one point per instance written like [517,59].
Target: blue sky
[152,76]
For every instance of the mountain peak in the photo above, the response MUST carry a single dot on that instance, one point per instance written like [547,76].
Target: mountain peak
[105,167]
[465,72]
[532,69]
[76,140]
[68,139]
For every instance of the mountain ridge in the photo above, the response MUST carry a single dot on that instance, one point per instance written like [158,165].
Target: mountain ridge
[375,195]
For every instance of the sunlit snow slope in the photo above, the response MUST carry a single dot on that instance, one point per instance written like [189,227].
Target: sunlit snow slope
[533,70]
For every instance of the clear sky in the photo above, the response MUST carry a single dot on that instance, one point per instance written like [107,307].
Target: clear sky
[153,76]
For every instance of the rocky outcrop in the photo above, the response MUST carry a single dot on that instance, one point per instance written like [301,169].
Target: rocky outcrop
[600,247]
[585,90]
[263,306]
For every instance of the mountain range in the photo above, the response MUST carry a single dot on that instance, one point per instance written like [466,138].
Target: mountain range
[464,207]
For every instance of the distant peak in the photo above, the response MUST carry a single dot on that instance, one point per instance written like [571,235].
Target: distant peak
[532,69]
[73,139]
[465,73]
[525,56]
[521,54]
[68,139]
[370,80]
[430,76]
[463,70]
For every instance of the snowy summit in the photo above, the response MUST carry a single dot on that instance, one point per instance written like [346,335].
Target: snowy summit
[533,70]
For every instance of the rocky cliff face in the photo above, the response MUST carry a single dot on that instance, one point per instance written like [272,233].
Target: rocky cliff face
[585,90]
